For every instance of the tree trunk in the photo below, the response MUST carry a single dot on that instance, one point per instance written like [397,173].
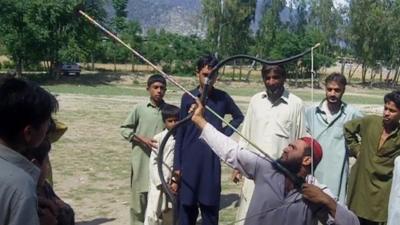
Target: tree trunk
[115,63]
[387,81]
[133,63]
[364,69]
[92,59]
[234,69]
[18,68]
[396,75]
[372,77]
[240,72]
[343,66]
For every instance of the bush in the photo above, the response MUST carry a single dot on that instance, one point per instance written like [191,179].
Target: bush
[8,65]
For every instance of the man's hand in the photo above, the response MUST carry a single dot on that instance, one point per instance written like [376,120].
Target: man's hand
[147,142]
[198,114]
[47,217]
[315,195]
[45,203]
[175,181]
[236,176]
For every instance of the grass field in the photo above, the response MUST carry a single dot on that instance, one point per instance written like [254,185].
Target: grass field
[91,161]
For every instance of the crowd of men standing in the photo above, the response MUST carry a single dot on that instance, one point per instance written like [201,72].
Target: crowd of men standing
[276,118]
[312,145]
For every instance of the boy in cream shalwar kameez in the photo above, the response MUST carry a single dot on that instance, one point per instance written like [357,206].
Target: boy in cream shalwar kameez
[159,209]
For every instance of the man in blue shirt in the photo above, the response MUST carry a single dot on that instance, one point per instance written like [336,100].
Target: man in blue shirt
[325,122]
[195,163]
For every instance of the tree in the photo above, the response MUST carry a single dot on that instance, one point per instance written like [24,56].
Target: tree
[17,36]
[325,18]
[119,20]
[270,25]
[228,25]
[48,31]
[368,32]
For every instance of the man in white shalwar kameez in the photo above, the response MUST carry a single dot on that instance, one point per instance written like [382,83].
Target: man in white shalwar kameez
[274,119]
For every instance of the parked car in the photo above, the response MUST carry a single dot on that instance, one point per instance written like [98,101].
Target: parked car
[69,69]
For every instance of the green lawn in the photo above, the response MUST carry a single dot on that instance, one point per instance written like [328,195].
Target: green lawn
[361,97]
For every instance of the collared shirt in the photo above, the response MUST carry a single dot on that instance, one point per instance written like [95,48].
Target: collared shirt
[18,179]
[200,167]
[144,120]
[371,176]
[272,126]
[269,204]
[333,169]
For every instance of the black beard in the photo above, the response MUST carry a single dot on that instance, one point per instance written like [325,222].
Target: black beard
[292,166]
[275,92]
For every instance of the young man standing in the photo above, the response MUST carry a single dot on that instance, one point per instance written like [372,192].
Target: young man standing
[274,118]
[198,168]
[25,111]
[325,122]
[375,142]
[142,123]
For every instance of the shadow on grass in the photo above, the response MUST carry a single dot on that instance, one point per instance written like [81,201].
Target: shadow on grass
[95,221]
[228,199]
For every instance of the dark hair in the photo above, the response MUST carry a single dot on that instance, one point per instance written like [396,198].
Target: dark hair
[169,111]
[156,78]
[206,60]
[23,103]
[337,77]
[277,69]
[393,96]
[39,153]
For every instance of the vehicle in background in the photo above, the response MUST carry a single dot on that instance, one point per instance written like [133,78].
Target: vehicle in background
[69,69]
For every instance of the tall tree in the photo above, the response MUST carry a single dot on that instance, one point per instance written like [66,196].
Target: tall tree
[228,24]
[119,20]
[17,36]
[368,31]
[48,31]
[271,25]
[325,17]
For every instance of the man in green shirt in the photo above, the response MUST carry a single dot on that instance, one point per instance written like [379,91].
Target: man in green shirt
[142,123]
[375,142]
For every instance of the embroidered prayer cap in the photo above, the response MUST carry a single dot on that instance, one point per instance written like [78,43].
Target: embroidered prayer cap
[316,147]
